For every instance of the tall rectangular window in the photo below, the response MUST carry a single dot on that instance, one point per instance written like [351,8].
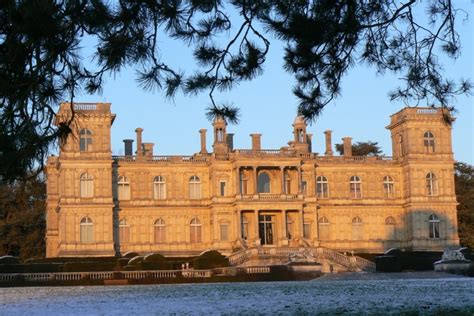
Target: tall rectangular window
[222,188]
[307,230]
[224,232]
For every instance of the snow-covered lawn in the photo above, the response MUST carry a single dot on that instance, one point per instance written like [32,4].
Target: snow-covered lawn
[425,293]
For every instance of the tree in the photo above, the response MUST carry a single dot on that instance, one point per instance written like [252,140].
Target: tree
[464,181]
[22,218]
[362,149]
[41,61]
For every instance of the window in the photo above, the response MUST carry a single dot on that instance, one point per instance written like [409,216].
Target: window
[220,135]
[429,142]
[287,183]
[263,183]
[400,145]
[194,187]
[195,231]
[355,187]
[388,187]
[357,228]
[87,230]
[324,228]
[160,231]
[85,140]
[434,226]
[124,231]
[431,184]
[289,226]
[390,228]
[87,185]
[159,188]
[322,189]
[307,230]
[123,188]
[222,188]
[224,232]
[244,227]
[304,188]
[243,183]
[300,136]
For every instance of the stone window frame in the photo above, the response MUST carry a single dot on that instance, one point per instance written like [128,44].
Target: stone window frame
[124,231]
[388,187]
[431,184]
[159,231]
[86,225]
[429,142]
[322,187]
[357,228]
[123,188]
[86,181]
[195,231]
[159,187]
[194,187]
[434,226]
[261,187]
[355,187]
[85,140]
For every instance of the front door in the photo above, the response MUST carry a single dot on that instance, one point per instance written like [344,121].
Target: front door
[265,229]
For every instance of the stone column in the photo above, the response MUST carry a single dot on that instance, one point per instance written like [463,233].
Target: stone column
[282,172]
[301,225]
[255,180]
[283,226]
[239,224]
[238,188]
[257,237]
[300,180]
[328,143]
[203,141]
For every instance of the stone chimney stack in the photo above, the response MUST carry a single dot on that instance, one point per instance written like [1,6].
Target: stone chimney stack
[139,141]
[230,141]
[347,141]
[328,134]
[148,149]
[203,140]
[256,144]
[128,143]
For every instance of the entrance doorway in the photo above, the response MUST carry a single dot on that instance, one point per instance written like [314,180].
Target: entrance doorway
[265,229]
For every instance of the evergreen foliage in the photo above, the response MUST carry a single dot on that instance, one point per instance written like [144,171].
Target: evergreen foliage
[362,149]
[464,181]
[41,62]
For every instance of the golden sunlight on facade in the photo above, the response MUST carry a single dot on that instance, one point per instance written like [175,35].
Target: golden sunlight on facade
[233,199]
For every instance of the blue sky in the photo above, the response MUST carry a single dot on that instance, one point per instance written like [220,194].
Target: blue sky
[268,105]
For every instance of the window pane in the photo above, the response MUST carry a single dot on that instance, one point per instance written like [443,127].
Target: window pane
[224,232]
[307,230]
[222,188]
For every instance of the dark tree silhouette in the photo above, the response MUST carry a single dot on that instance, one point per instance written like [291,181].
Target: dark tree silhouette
[464,181]
[41,61]
[362,149]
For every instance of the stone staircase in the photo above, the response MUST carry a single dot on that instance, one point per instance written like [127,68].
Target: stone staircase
[331,260]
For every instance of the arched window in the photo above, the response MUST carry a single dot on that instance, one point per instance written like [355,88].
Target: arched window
[324,228]
[87,230]
[244,227]
[87,185]
[434,226]
[224,229]
[220,135]
[431,184]
[322,188]
[194,187]
[390,228]
[123,188]
[429,142]
[357,228]
[400,145]
[195,231]
[85,140]
[159,188]
[355,187]
[263,183]
[300,136]
[160,231]
[287,183]
[388,187]
[124,231]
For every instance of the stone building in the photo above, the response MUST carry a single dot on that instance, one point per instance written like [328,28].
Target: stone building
[230,199]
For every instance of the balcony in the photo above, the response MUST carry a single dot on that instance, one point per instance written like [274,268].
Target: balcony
[269,197]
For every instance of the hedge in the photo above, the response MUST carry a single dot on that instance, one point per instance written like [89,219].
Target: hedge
[89,266]
[31,268]
[210,260]
[72,259]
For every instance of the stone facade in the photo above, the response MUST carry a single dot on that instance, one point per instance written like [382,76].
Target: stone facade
[231,199]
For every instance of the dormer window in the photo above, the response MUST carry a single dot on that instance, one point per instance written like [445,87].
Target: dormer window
[85,143]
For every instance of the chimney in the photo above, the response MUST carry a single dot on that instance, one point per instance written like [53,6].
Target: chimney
[128,147]
[139,142]
[230,141]
[347,141]
[256,145]
[328,143]
[309,140]
[148,149]
[203,140]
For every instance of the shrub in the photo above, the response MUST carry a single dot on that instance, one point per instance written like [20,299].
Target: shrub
[9,260]
[31,268]
[130,255]
[210,260]
[122,262]
[135,260]
[154,257]
[71,259]
[88,266]
[154,265]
